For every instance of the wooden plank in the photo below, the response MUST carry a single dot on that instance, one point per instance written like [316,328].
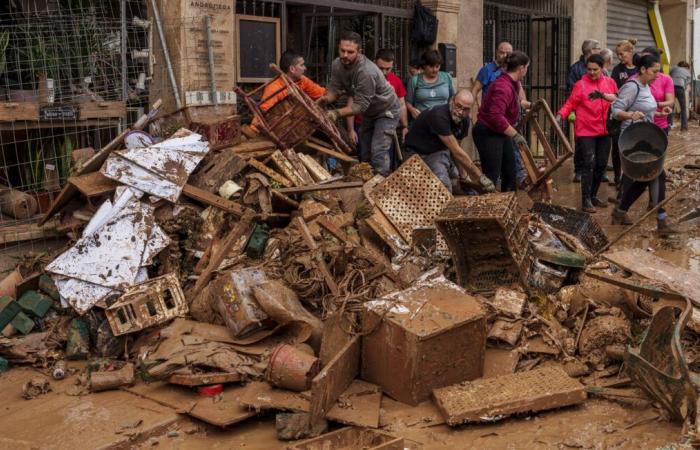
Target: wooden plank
[14,111]
[365,400]
[214,200]
[216,169]
[26,232]
[315,169]
[93,184]
[286,168]
[102,110]
[334,379]
[299,166]
[243,227]
[334,230]
[254,145]
[281,179]
[313,144]
[306,234]
[660,270]
[283,198]
[544,141]
[321,187]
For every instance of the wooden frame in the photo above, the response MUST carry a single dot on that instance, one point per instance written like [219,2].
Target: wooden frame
[278,46]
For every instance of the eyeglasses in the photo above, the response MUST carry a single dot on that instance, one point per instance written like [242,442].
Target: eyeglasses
[459,107]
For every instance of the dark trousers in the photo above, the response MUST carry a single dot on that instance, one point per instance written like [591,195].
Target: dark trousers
[615,156]
[680,96]
[578,157]
[632,190]
[594,160]
[497,155]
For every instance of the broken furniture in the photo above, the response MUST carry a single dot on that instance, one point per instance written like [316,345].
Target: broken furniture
[411,198]
[406,351]
[351,438]
[487,237]
[576,223]
[491,399]
[292,120]
[147,304]
[658,366]
[539,182]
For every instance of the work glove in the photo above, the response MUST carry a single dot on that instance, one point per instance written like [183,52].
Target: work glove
[519,140]
[595,95]
[572,117]
[332,115]
[487,184]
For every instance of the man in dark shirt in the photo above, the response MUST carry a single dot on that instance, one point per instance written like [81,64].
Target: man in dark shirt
[435,136]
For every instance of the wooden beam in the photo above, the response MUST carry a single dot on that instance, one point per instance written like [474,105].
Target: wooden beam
[318,257]
[329,151]
[208,198]
[281,179]
[321,187]
[93,184]
[242,228]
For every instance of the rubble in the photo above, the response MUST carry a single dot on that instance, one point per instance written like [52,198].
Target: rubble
[227,277]
[35,387]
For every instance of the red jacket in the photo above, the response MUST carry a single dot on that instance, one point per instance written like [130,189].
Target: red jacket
[501,106]
[591,115]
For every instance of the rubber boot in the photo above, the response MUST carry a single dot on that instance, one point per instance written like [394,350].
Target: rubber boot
[664,228]
[620,217]
[587,206]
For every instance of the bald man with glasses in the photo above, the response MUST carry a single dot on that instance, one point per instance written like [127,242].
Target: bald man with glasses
[435,136]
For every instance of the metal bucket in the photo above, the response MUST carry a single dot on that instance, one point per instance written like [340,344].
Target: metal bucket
[642,151]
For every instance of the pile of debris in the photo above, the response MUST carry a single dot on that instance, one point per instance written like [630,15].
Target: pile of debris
[290,278]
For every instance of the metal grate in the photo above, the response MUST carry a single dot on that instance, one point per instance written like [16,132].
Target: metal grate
[412,197]
[575,223]
[489,399]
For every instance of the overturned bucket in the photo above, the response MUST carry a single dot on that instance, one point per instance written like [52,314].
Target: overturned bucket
[642,151]
[292,368]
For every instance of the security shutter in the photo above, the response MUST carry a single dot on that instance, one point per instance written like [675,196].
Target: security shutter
[627,19]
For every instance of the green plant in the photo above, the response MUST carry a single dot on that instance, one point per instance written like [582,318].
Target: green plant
[33,170]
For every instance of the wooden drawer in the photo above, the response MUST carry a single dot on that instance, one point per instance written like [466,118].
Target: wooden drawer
[102,110]
[14,111]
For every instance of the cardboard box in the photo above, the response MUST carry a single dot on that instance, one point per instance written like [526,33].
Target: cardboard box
[428,336]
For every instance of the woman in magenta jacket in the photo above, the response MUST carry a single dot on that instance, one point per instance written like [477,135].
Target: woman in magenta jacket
[590,99]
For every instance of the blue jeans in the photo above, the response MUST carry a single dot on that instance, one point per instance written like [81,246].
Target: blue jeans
[376,138]
[442,166]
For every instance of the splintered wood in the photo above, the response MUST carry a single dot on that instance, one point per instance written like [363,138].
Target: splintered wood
[490,399]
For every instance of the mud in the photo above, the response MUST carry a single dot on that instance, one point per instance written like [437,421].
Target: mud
[601,332]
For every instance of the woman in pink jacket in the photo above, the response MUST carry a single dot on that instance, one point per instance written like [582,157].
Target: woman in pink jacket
[590,99]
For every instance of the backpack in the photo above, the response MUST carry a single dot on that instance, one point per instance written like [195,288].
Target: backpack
[425,25]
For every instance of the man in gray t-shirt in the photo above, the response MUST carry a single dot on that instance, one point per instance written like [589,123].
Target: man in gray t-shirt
[372,96]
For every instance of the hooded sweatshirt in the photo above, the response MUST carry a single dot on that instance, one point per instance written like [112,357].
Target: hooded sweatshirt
[591,115]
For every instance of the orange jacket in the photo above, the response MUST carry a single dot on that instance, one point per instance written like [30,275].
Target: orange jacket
[311,89]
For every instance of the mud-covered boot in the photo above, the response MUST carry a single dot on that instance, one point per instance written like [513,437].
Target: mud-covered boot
[664,228]
[620,217]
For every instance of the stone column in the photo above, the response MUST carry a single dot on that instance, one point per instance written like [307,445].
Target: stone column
[588,21]
[460,22]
